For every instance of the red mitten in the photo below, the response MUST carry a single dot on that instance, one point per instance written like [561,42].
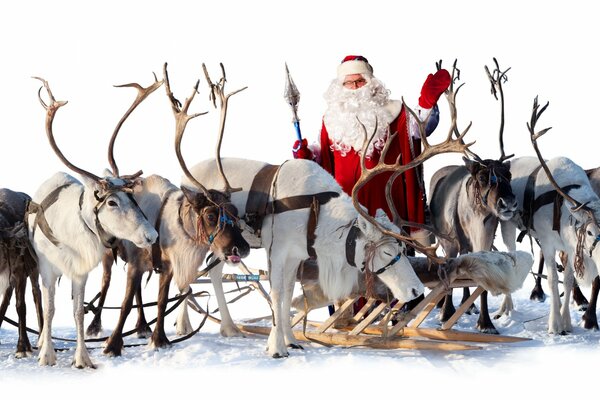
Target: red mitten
[301,150]
[434,86]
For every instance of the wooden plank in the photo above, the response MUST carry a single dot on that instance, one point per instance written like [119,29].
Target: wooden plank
[368,319]
[361,313]
[386,318]
[375,342]
[419,311]
[331,320]
[449,334]
[298,317]
[463,308]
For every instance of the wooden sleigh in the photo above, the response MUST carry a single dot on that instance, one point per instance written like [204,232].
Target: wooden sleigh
[372,326]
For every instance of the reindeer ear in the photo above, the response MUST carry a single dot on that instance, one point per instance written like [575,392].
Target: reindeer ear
[90,183]
[189,194]
[198,200]
[108,172]
[470,164]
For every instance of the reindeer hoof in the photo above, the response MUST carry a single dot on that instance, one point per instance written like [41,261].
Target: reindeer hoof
[473,310]
[277,355]
[538,295]
[295,346]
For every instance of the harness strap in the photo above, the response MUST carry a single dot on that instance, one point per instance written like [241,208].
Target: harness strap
[40,217]
[299,202]
[313,217]
[531,205]
[258,197]
[351,244]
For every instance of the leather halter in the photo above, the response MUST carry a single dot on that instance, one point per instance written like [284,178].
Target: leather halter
[353,235]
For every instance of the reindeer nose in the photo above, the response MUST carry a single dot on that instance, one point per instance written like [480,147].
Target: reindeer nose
[150,239]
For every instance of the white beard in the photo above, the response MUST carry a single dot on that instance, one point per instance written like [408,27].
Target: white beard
[345,108]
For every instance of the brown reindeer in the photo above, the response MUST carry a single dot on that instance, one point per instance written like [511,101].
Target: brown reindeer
[189,224]
[17,263]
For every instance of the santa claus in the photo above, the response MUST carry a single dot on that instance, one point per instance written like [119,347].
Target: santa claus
[356,95]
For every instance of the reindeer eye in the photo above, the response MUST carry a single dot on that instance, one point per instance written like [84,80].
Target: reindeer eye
[589,233]
[387,254]
[111,203]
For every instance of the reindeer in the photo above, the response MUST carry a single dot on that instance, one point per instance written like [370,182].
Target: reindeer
[589,318]
[298,211]
[74,224]
[190,223]
[560,209]
[17,263]
[469,201]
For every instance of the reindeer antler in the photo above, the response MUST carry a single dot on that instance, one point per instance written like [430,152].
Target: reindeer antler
[451,98]
[450,145]
[218,90]
[142,94]
[181,119]
[496,78]
[535,115]
[51,110]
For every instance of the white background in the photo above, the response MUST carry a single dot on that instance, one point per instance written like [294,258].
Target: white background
[83,48]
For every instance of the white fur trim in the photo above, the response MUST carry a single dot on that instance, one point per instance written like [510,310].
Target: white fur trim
[354,67]
[394,107]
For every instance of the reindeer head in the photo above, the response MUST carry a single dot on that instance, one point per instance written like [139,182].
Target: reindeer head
[217,224]
[116,213]
[491,183]
[107,200]
[385,256]
[216,215]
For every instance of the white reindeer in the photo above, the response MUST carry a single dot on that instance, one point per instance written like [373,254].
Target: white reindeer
[305,213]
[74,224]
[539,192]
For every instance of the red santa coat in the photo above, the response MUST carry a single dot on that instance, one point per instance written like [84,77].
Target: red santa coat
[408,194]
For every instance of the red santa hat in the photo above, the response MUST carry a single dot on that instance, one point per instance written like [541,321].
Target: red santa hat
[354,65]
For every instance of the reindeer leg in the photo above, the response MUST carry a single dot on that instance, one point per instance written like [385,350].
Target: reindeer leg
[82,357]
[484,323]
[288,291]
[159,338]
[276,346]
[5,302]
[448,308]
[228,327]
[142,328]
[579,298]
[114,344]
[537,293]
[466,294]
[590,320]
[95,327]
[37,297]
[23,345]
[555,325]
[565,313]
[47,356]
